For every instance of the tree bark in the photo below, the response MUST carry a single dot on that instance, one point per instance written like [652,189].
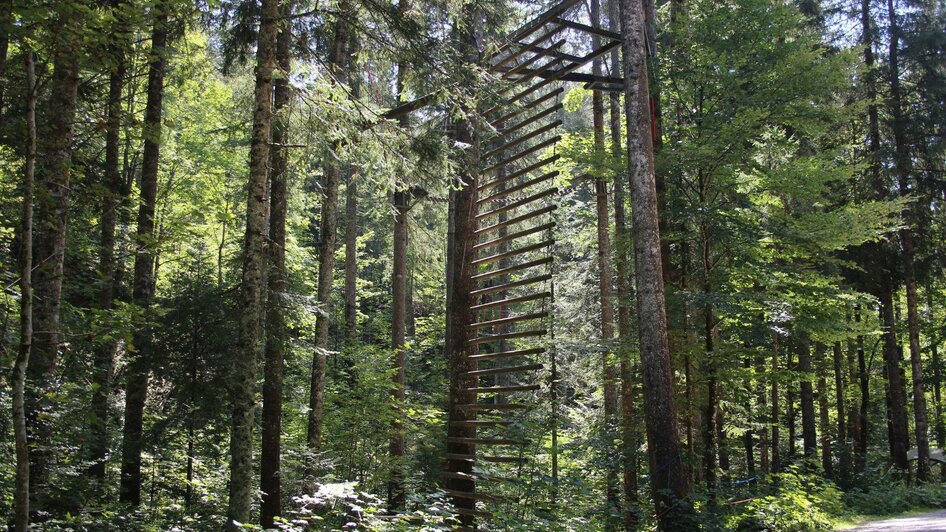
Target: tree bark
[774,417]
[669,481]
[609,376]
[351,259]
[844,458]
[54,149]
[243,380]
[398,339]
[864,407]
[623,293]
[763,416]
[136,388]
[460,283]
[277,286]
[114,191]
[21,492]
[824,425]
[808,435]
[338,61]
[897,415]
[903,170]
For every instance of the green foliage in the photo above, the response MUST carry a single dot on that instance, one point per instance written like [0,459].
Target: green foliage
[795,502]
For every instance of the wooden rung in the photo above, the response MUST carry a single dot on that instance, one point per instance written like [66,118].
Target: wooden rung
[526,152]
[513,253]
[553,53]
[514,268]
[473,513]
[521,186]
[504,370]
[535,57]
[473,496]
[486,441]
[523,48]
[508,354]
[459,457]
[534,26]
[504,389]
[511,319]
[513,236]
[518,203]
[497,406]
[481,423]
[511,301]
[517,219]
[475,478]
[505,132]
[588,29]
[518,173]
[510,285]
[517,141]
[544,72]
[507,336]
[523,108]
[503,459]
[558,74]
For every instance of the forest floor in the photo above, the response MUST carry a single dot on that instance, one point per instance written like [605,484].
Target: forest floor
[920,520]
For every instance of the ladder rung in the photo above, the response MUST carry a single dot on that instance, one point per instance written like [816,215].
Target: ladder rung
[519,140]
[528,151]
[503,459]
[511,300]
[505,132]
[587,29]
[503,370]
[507,354]
[473,513]
[521,218]
[535,57]
[486,441]
[473,496]
[513,268]
[481,423]
[507,336]
[523,108]
[510,319]
[525,184]
[518,203]
[523,48]
[513,236]
[577,62]
[496,406]
[513,253]
[510,285]
[504,389]
[547,70]
[474,478]
[518,173]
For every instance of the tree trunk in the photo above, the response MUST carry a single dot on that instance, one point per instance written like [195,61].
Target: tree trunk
[136,389]
[104,356]
[903,169]
[351,260]
[808,435]
[669,481]
[623,293]
[791,414]
[864,407]
[277,286]
[21,492]
[747,439]
[774,416]
[460,283]
[398,339]
[53,168]
[609,374]
[897,416]
[338,60]
[824,425]
[243,380]
[711,408]
[844,459]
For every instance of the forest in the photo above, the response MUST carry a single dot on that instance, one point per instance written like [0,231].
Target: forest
[471,264]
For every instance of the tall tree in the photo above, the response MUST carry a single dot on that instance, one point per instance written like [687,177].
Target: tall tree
[338,61]
[136,388]
[21,493]
[670,483]
[54,151]
[243,379]
[277,285]
[903,170]
[113,192]
[808,434]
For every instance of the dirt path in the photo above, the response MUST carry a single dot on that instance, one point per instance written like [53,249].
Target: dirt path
[928,522]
